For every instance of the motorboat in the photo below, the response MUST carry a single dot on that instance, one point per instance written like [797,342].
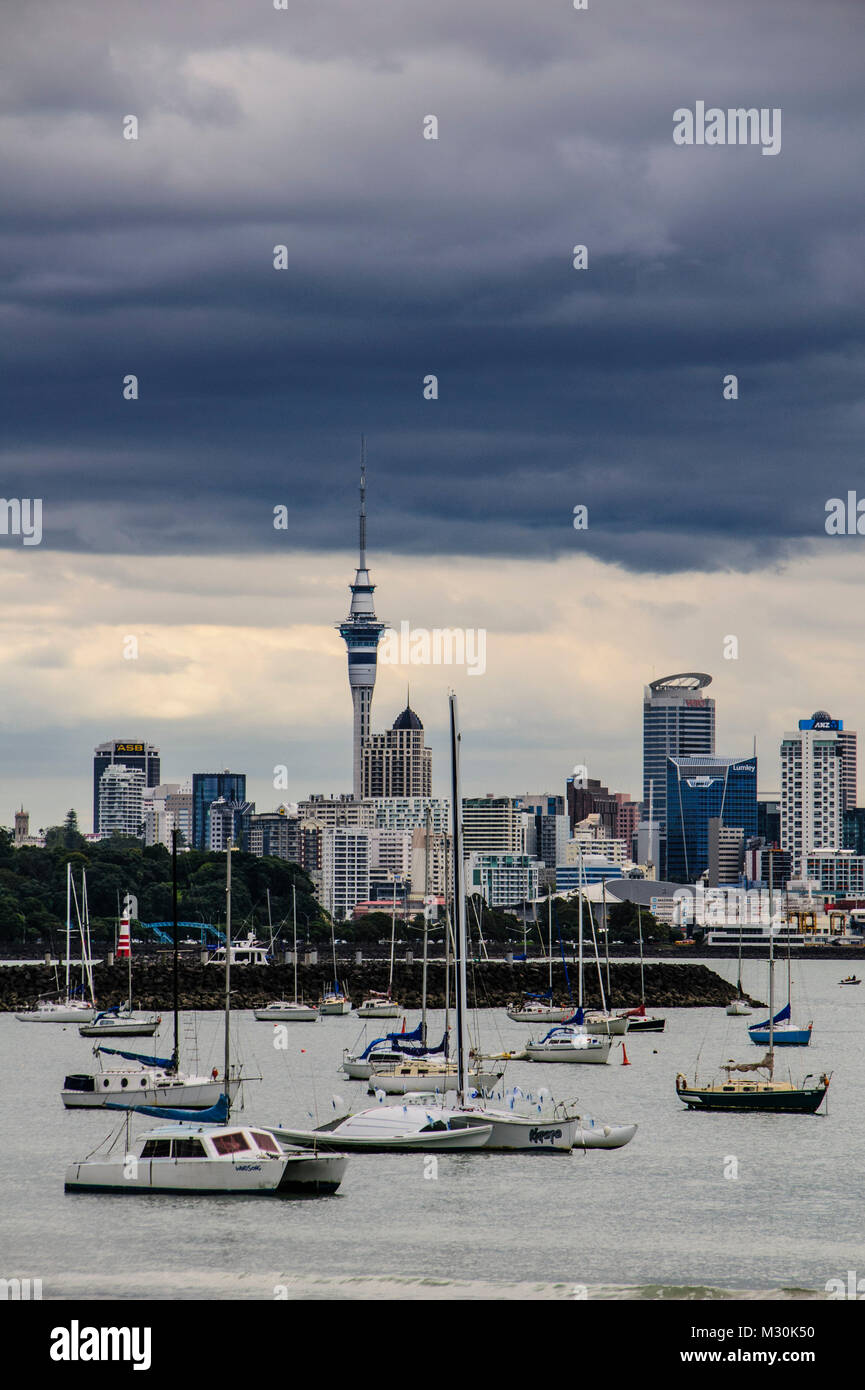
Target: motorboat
[850,980]
[393,1129]
[205,1154]
[209,1159]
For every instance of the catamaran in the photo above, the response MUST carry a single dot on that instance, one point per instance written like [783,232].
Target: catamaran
[289,1011]
[206,1154]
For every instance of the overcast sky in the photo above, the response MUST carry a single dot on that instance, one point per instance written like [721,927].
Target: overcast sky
[407,257]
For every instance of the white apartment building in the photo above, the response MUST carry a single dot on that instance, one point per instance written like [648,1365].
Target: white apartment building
[337,810]
[345,869]
[504,880]
[840,873]
[165,808]
[812,789]
[121,791]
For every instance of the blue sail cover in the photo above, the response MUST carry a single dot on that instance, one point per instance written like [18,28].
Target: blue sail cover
[106,1013]
[577,1021]
[780,1017]
[167,1062]
[216,1115]
[547,994]
[400,1038]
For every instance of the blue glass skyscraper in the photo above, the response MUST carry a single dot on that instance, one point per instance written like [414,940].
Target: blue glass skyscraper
[698,790]
[208,787]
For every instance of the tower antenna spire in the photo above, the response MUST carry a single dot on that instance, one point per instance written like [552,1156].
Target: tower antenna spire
[362,503]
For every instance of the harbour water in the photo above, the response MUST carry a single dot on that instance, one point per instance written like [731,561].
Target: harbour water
[663,1217]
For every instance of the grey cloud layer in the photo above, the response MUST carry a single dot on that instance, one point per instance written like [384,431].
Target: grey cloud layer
[409,257]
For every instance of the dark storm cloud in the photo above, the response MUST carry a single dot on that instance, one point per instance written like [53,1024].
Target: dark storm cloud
[409,257]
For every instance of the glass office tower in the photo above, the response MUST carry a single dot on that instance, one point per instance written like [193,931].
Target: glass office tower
[699,790]
[678,722]
[208,787]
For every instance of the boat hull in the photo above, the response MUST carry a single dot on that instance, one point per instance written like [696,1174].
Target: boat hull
[763,1098]
[195,1094]
[588,1056]
[379,1011]
[646,1025]
[338,1006]
[290,1173]
[60,1015]
[790,1037]
[736,1009]
[603,1136]
[379,1131]
[302,1014]
[401,1084]
[606,1027]
[130,1029]
[518,1015]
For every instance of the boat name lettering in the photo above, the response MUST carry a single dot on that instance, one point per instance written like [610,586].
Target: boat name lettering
[540,1136]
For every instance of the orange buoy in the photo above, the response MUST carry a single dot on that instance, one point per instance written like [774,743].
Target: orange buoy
[625,1062]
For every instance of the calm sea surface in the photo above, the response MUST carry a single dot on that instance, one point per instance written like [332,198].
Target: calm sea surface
[656,1215]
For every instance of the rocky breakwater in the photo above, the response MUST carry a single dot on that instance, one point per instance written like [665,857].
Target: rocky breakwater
[492,984]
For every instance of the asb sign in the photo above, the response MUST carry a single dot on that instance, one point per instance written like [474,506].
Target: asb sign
[129,748]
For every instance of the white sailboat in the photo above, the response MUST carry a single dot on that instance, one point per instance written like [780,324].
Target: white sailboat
[68,1008]
[154,1081]
[335,1001]
[573,1041]
[289,1011]
[533,1008]
[376,1004]
[122,1021]
[739,1006]
[207,1155]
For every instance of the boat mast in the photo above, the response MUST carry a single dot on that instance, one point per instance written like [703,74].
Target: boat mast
[294,925]
[606,935]
[175,1056]
[129,966]
[460,909]
[580,931]
[771,975]
[227,1058]
[550,936]
[642,965]
[426,894]
[392,939]
[68,922]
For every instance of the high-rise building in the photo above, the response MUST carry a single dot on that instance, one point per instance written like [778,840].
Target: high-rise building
[276,835]
[587,796]
[815,773]
[493,825]
[208,787]
[361,631]
[769,820]
[396,763]
[345,869]
[120,800]
[503,880]
[726,854]
[699,790]
[337,810]
[228,823]
[678,722]
[166,808]
[410,812]
[129,753]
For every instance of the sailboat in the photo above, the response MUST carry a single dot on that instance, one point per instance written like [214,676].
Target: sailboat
[785,1031]
[423,1120]
[282,1010]
[757,1093]
[205,1154]
[335,1001]
[376,1004]
[121,1020]
[603,1021]
[69,1007]
[572,1041]
[739,1006]
[539,1008]
[638,1020]
[154,1081]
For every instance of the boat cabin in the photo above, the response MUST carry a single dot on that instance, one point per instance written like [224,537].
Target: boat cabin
[176,1142]
[247,952]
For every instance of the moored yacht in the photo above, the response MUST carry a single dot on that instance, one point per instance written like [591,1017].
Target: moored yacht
[568,1045]
[121,1022]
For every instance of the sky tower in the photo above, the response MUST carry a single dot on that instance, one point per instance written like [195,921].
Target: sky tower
[361,632]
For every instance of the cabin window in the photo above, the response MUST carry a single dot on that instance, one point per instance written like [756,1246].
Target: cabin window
[266,1142]
[229,1143]
[187,1148]
[156,1148]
